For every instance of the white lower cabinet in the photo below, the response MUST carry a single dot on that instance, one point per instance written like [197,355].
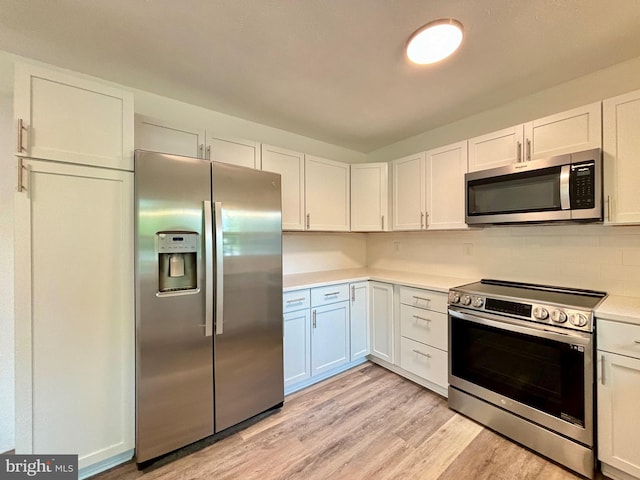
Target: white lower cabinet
[359,320]
[297,346]
[424,335]
[75,313]
[329,337]
[381,320]
[618,391]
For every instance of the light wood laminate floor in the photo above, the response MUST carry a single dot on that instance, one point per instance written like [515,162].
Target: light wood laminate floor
[367,423]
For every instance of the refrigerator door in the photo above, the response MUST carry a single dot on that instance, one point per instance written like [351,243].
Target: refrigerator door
[174,369]
[248,325]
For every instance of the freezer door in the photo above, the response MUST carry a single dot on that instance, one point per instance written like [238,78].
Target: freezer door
[174,368]
[248,300]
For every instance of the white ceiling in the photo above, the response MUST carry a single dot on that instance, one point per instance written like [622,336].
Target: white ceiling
[333,70]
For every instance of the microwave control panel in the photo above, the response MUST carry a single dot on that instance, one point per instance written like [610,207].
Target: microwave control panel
[583,187]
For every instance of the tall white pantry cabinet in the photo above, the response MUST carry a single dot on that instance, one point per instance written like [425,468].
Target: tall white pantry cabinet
[74,279]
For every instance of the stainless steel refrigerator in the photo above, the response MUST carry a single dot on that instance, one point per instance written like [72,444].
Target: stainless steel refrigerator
[208,299]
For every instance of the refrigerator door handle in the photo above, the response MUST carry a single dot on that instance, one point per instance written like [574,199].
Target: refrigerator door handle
[219,270]
[208,275]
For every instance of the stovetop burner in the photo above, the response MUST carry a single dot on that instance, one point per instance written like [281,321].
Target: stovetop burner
[559,306]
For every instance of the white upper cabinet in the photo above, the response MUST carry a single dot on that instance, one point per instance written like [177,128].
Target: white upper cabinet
[159,136]
[561,133]
[446,167]
[72,119]
[409,192]
[327,194]
[370,197]
[621,145]
[496,149]
[235,151]
[290,165]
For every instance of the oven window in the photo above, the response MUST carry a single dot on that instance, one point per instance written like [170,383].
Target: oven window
[534,191]
[537,372]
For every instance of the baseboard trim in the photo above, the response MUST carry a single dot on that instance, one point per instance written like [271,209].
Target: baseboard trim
[106,464]
[410,376]
[331,373]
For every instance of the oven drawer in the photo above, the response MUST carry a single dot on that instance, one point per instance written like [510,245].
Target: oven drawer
[424,326]
[423,299]
[622,338]
[296,300]
[425,361]
[330,294]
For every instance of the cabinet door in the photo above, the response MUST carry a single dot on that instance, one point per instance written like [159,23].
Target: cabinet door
[327,192]
[408,192]
[297,347]
[74,302]
[72,119]
[618,414]
[496,149]
[381,314]
[566,132]
[159,136]
[235,151]
[370,197]
[446,167]
[621,145]
[290,165]
[359,320]
[329,337]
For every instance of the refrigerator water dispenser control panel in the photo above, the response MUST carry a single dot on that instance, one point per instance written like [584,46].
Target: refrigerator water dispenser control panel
[177,262]
[177,242]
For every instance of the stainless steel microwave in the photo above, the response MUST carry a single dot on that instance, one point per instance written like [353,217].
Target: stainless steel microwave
[561,188]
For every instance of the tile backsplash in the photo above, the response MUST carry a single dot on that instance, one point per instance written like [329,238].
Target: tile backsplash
[583,256]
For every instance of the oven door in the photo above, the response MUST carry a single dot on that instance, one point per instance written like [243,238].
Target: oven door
[539,372]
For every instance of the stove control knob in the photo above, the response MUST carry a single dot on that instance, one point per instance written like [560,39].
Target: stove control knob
[578,320]
[454,297]
[466,300]
[540,313]
[478,302]
[558,316]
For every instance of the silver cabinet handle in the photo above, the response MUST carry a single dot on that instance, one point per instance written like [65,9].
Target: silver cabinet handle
[20,174]
[421,353]
[602,368]
[313,314]
[518,152]
[296,300]
[219,270]
[382,222]
[418,317]
[609,207]
[353,293]
[208,152]
[208,269]
[21,129]
[421,220]
[637,341]
[331,294]
[421,298]
[201,151]
[308,220]
[528,149]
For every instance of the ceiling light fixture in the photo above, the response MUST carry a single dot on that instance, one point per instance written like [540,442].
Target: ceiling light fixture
[434,41]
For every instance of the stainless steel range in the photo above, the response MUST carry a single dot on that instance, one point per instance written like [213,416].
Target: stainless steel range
[521,362]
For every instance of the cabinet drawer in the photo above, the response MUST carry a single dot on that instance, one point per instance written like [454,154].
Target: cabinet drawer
[424,299]
[331,294]
[426,362]
[296,300]
[424,326]
[621,338]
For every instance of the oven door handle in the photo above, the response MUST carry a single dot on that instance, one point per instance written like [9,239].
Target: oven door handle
[531,328]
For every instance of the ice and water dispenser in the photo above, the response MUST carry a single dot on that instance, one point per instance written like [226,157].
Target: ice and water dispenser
[177,261]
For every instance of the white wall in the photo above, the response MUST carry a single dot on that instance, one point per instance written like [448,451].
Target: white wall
[584,256]
[7,188]
[311,252]
[609,82]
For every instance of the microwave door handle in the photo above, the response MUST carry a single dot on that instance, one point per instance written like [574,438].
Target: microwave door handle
[565,177]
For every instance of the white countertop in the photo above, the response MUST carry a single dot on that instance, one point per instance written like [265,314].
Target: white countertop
[411,279]
[620,309]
